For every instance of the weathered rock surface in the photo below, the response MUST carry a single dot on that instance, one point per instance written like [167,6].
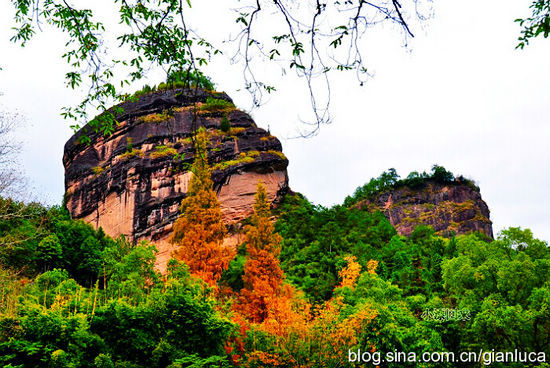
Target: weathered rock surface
[448,208]
[132,182]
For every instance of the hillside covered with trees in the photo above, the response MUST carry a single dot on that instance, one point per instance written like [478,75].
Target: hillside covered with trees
[303,291]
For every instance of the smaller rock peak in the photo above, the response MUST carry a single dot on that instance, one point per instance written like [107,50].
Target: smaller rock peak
[448,203]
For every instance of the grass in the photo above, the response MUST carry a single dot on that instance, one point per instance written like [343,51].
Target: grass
[155,118]
[245,158]
[163,151]
[481,218]
[453,226]
[411,220]
[214,133]
[235,131]
[187,140]
[98,170]
[277,153]
[466,205]
[129,154]
[183,108]
[426,215]
[241,160]
[216,104]
[269,137]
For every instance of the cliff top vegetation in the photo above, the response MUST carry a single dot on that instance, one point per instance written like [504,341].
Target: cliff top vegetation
[390,179]
[178,79]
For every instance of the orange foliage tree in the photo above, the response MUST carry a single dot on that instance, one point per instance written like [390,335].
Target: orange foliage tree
[278,326]
[199,231]
[350,273]
[321,338]
[265,305]
[263,277]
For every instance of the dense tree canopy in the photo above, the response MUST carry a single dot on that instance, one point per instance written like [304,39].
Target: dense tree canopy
[344,280]
[100,302]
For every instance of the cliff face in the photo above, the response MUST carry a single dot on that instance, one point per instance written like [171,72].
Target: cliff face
[448,208]
[132,182]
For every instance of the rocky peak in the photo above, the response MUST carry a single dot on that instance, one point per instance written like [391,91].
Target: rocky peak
[132,182]
[455,207]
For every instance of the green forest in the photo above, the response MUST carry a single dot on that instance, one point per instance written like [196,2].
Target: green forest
[305,291]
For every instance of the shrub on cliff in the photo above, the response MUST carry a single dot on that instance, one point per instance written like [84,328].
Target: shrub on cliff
[225,125]
[186,78]
[441,175]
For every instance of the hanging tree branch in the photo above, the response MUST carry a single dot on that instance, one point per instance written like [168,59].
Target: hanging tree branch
[306,37]
[313,48]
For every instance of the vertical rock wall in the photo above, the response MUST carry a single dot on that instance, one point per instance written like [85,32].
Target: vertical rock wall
[132,182]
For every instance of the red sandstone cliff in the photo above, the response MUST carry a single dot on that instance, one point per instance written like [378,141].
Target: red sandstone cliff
[132,182]
[448,208]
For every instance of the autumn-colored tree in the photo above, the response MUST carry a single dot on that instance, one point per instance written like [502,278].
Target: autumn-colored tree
[280,328]
[372,265]
[199,231]
[350,273]
[263,277]
[318,338]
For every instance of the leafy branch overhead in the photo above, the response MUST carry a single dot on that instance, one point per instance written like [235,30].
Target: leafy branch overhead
[535,25]
[105,59]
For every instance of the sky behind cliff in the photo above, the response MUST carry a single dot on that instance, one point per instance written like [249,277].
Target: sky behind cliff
[461,96]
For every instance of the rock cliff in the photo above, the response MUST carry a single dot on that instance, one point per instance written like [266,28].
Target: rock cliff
[132,182]
[448,208]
